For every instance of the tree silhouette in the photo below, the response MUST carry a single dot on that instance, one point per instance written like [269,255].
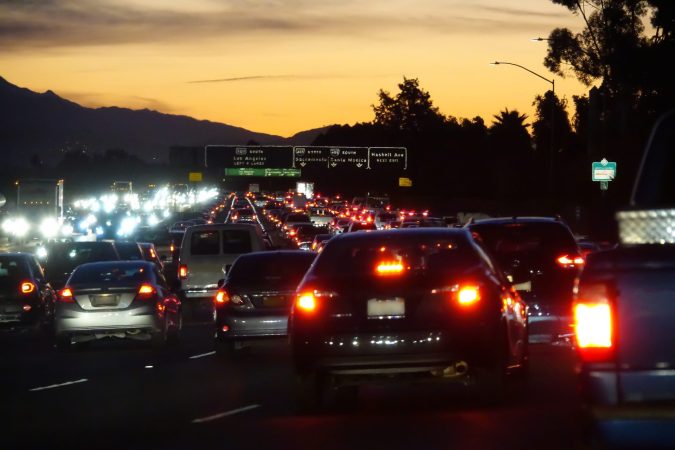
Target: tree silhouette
[546,105]
[411,111]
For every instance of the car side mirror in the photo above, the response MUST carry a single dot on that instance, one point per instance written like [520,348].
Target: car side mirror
[226,268]
[221,282]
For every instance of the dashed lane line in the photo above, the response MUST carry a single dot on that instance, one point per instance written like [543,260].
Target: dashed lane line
[225,414]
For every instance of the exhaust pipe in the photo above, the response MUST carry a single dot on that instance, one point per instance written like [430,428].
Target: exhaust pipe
[461,367]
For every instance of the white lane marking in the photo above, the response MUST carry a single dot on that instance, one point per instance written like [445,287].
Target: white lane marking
[201,355]
[52,386]
[149,367]
[225,414]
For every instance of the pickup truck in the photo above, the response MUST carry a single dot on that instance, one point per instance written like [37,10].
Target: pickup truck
[624,310]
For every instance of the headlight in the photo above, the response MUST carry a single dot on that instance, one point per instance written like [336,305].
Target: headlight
[49,227]
[41,252]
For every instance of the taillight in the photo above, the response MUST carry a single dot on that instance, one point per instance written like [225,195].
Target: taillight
[221,297]
[306,302]
[309,301]
[464,295]
[389,268]
[570,261]
[66,296]
[593,322]
[183,271]
[172,248]
[27,287]
[468,295]
[146,291]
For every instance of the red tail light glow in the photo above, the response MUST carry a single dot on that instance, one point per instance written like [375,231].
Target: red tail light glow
[569,261]
[306,302]
[468,295]
[27,287]
[66,296]
[146,290]
[222,297]
[593,322]
[388,268]
[183,271]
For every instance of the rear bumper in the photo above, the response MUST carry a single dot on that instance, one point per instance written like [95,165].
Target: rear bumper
[380,354]
[73,319]
[631,409]
[252,326]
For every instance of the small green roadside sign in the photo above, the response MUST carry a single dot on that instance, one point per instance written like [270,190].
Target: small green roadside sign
[261,172]
[603,170]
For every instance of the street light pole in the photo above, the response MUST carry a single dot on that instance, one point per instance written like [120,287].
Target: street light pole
[551,146]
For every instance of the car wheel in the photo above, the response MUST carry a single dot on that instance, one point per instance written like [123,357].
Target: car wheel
[174,336]
[159,339]
[229,349]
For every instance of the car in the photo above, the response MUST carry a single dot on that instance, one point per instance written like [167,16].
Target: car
[624,314]
[26,298]
[255,300]
[129,251]
[408,305]
[63,257]
[150,254]
[361,226]
[120,299]
[209,250]
[319,240]
[542,259]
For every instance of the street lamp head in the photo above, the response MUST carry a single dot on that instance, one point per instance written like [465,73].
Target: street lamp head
[495,63]
[539,39]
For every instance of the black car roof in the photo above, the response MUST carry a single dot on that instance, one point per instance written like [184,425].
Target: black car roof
[406,232]
[17,255]
[116,263]
[273,253]
[516,219]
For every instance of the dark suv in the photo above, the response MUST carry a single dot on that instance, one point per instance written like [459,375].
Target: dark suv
[541,258]
[408,305]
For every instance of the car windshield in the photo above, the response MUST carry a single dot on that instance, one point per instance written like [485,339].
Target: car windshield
[129,251]
[280,271]
[110,273]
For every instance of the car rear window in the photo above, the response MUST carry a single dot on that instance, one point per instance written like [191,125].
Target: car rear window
[129,251]
[110,273]
[65,257]
[357,226]
[12,271]
[205,242]
[537,240]
[236,241]
[270,272]
[417,255]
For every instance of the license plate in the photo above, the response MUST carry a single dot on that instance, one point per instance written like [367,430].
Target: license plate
[104,300]
[388,308]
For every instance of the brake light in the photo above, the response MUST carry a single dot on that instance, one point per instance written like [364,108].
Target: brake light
[172,248]
[222,297]
[306,302]
[388,268]
[464,295]
[570,261]
[183,271]
[146,290]
[66,296]
[27,287]
[593,322]
[153,255]
[468,295]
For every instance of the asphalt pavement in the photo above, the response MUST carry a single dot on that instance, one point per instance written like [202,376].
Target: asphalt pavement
[119,394]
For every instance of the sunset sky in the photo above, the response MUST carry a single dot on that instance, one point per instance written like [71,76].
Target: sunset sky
[281,66]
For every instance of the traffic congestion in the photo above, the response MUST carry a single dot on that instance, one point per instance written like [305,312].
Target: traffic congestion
[293,304]
[335,225]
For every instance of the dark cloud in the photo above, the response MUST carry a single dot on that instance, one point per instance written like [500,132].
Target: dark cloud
[26,25]
[98,100]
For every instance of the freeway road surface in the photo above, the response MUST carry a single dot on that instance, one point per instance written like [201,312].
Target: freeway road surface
[118,394]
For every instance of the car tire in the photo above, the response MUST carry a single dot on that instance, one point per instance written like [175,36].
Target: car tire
[158,339]
[228,349]
[173,337]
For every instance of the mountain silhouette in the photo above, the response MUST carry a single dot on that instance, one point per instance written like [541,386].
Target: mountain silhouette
[47,125]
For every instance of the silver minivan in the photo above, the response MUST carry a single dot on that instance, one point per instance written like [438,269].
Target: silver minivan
[208,251]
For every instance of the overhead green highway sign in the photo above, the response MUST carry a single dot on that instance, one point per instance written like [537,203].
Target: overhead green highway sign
[260,172]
